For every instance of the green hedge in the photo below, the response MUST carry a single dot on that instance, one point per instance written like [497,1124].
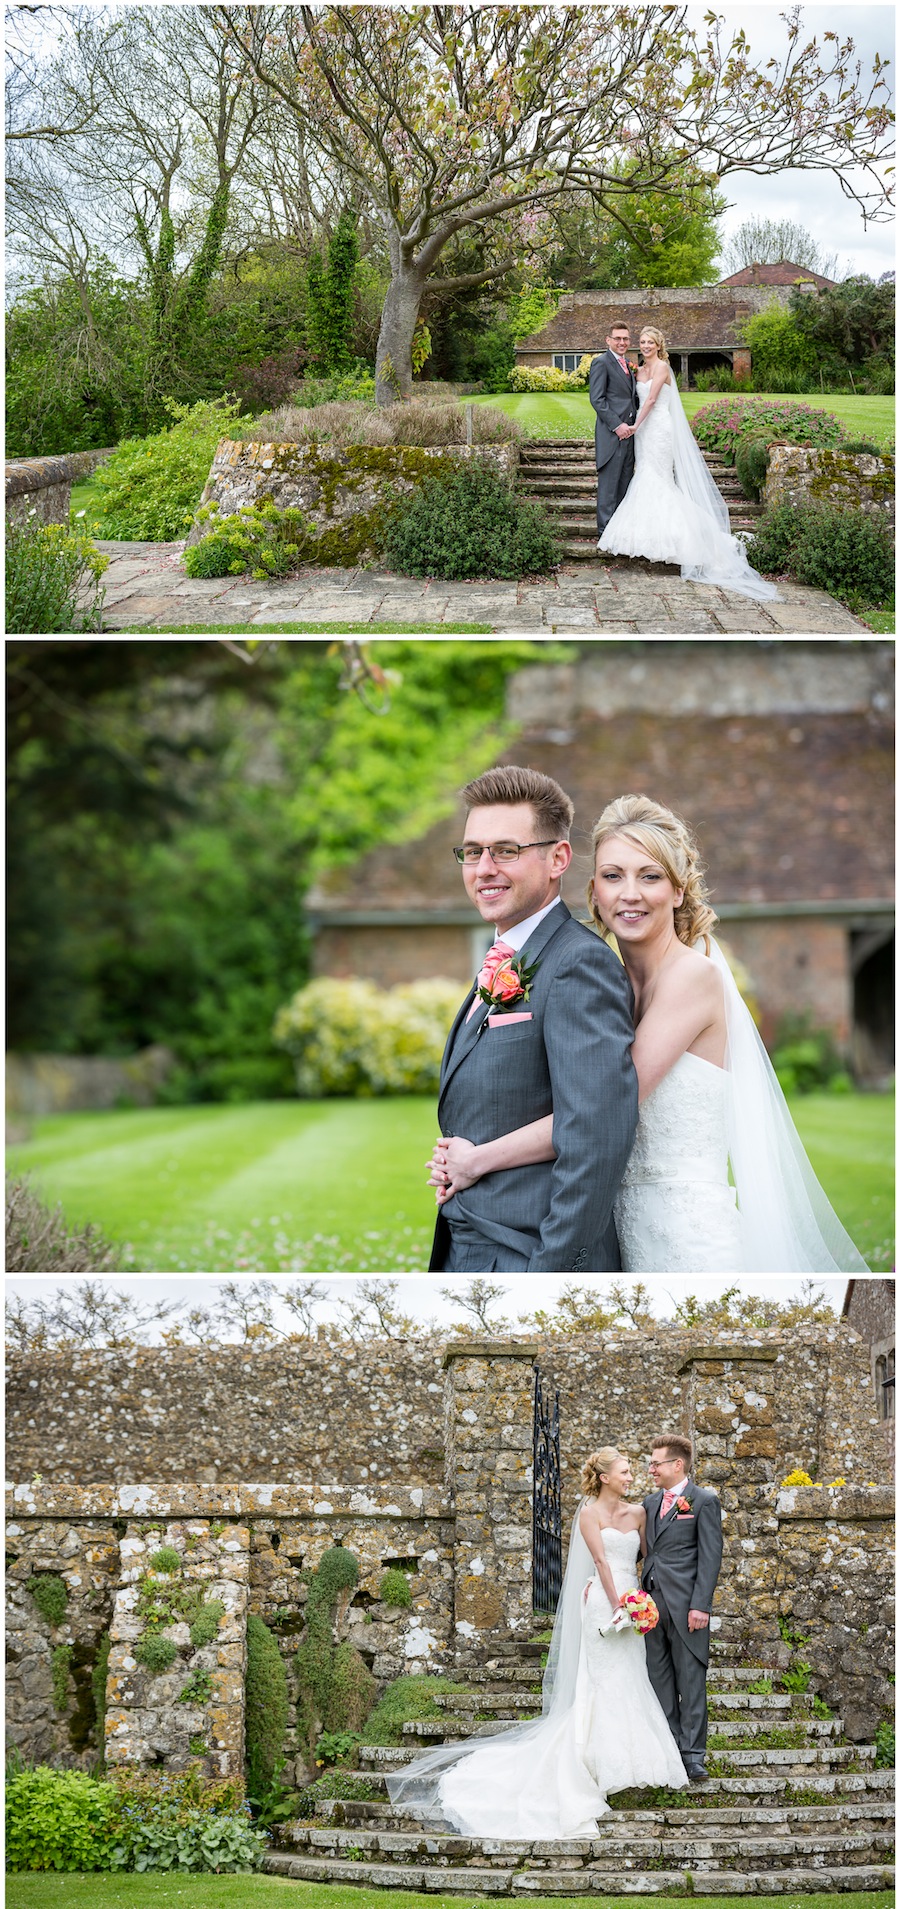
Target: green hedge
[351,1037]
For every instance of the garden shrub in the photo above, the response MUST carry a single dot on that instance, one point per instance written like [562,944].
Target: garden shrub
[352,1690]
[52,580]
[394,1589]
[719,378]
[356,383]
[51,1596]
[259,538]
[150,488]
[806,1057]
[59,1819]
[341,1784]
[470,523]
[550,377]
[271,381]
[422,420]
[403,1701]
[266,1704]
[155,1653]
[857,447]
[351,1037]
[337,1690]
[844,551]
[39,1239]
[751,464]
[719,427]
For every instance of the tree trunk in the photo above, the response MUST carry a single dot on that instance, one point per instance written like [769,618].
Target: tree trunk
[393,359]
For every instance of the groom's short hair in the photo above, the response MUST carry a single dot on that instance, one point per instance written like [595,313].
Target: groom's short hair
[677,1447]
[621,324]
[553,809]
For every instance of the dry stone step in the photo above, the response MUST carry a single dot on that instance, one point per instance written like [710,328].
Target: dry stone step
[696,1847]
[565,1882]
[450,1729]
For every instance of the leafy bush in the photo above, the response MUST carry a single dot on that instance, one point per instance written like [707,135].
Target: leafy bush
[805,1057]
[783,358]
[719,378]
[422,420]
[470,523]
[39,1239]
[51,1596]
[155,1653]
[334,1745]
[167,1560]
[52,580]
[266,1704]
[857,447]
[751,463]
[260,539]
[351,1037]
[840,550]
[720,427]
[59,1819]
[394,1589]
[161,1828]
[151,486]
[403,1701]
[342,1784]
[271,381]
[550,377]
[358,383]
[885,1745]
[206,1623]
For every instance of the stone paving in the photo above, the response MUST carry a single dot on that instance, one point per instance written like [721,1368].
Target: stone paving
[146,588]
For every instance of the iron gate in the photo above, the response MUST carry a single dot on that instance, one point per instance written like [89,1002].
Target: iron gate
[547,1509]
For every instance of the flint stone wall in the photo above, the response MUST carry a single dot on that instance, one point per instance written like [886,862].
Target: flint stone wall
[852,480]
[41,487]
[339,489]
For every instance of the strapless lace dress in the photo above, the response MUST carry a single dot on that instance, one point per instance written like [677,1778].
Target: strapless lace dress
[675,1211]
[658,521]
[613,1737]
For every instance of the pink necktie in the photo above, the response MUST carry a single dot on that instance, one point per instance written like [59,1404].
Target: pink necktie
[494,959]
[667,1503]
[624,366]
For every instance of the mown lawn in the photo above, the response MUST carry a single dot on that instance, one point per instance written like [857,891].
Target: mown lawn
[339,1185]
[267,1892]
[569,413]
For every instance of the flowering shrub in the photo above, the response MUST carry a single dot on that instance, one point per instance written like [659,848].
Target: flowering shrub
[260,539]
[351,1037]
[151,486]
[550,378]
[52,580]
[719,427]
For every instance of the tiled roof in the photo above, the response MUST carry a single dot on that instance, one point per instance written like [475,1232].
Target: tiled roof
[786,808]
[784,273]
[700,325]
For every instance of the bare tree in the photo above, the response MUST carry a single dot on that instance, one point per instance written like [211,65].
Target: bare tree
[455,117]
[477,1299]
[773,241]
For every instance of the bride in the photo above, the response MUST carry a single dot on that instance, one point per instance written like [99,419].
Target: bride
[708,1094]
[672,511]
[602,1727]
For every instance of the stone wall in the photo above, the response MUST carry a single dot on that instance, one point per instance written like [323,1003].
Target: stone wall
[39,1084]
[852,481]
[342,491]
[41,487]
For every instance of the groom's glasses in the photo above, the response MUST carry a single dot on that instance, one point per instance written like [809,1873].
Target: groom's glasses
[498,851]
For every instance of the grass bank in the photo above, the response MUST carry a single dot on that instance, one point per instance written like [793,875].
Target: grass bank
[339,1185]
[569,413]
[267,1892]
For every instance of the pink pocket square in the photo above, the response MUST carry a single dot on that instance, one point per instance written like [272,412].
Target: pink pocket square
[506,1020]
[684,1517]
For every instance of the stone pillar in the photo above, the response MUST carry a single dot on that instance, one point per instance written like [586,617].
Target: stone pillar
[489,1405]
[730,1398]
[834,1558]
[149,1724]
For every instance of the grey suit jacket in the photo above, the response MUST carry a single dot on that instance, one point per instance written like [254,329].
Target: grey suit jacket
[614,398]
[683,1558]
[572,1059]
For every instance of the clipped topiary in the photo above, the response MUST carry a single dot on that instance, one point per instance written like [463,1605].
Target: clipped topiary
[469,522]
[337,1690]
[266,1705]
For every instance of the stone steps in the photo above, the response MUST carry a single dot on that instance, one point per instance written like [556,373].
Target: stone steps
[561,475]
[453,1729]
[769,1790]
[783,1760]
[697,1848]
[507,1702]
[524,1881]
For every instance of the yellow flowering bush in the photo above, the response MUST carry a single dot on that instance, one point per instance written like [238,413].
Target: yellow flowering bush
[550,378]
[351,1037]
[797,1477]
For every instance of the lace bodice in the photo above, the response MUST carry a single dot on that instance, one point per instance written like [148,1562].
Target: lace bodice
[681,1128]
[675,1211]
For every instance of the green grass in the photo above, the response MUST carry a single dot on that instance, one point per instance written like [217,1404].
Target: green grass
[339,1185]
[261,1892]
[569,413]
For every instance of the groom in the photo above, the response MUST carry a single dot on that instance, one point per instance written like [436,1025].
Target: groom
[555,1039]
[614,398]
[684,1553]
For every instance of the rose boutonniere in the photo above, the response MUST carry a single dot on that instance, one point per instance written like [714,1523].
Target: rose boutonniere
[510,984]
[683,1504]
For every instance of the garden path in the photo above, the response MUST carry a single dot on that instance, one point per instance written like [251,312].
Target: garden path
[146,588]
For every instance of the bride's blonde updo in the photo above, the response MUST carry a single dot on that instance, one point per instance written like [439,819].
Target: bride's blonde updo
[594,1466]
[668,841]
[650,331]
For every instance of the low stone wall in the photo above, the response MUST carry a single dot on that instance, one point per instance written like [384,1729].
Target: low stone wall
[342,491]
[39,1084]
[853,481]
[41,487]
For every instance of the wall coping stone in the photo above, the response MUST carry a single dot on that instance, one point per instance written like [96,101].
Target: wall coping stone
[27,474]
[491,1349]
[731,1349]
[158,1499]
[831,1503]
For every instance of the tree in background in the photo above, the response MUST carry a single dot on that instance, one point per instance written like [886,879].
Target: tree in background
[849,328]
[651,239]
[451,117]
[330,289]
[783,358]
[773,241]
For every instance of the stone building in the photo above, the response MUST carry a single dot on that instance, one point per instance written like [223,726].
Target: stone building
[784,273]
[779,754]
[702,325]
[869,1307]
[417,1456]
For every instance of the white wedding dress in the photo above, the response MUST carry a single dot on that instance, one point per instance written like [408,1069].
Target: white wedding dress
[676,1210]
[672,511]
[550,1779]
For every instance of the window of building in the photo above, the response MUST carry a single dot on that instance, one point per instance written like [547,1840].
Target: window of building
[884,1385]
[567,360]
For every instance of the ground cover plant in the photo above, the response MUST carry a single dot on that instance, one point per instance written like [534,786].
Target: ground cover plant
[66,1819]
[264,1186]
[150,488]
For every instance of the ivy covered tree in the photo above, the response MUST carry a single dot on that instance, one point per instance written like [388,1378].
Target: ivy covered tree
[448,117]
[329,297]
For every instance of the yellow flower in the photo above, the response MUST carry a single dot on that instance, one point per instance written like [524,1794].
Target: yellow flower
[797,1477]
[835,1482]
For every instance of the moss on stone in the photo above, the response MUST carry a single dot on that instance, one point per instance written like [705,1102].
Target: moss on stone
[60,1667]
[841,469]
[50,1596]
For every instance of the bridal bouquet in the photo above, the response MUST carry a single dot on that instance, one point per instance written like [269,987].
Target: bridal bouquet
[637,1613]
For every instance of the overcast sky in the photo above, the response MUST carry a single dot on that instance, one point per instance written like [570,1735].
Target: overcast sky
[421,1297]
